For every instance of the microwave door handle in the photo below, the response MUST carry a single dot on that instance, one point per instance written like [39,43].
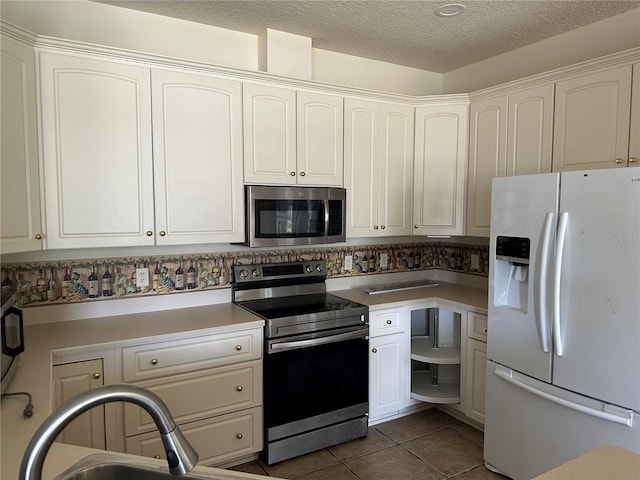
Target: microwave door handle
[324,217]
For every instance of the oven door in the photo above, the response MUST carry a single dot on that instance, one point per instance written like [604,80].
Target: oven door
[315,380]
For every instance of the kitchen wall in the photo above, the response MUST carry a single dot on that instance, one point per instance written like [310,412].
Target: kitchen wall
[114,26]
[611,35]
[214,270]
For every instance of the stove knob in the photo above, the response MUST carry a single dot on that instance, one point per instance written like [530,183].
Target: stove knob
[255,272]
[308,268]
[319,267]
[244,273]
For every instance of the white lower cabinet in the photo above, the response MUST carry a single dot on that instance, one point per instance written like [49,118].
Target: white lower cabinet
[218,440]
[476,364]
[212,385]
[387,363]
[69,380]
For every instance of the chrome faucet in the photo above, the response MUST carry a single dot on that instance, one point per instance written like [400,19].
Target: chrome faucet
[181,456]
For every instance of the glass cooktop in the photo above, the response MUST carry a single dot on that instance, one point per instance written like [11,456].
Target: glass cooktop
[279,307]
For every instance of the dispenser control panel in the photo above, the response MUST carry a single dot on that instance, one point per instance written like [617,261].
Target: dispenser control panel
[513,249]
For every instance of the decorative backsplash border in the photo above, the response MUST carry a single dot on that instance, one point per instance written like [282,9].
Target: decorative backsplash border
[38,283]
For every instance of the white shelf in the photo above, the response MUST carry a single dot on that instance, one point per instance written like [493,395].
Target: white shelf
[421,389]
[422,350]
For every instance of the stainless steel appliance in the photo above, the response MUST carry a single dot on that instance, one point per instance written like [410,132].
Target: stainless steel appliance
[279,215]
[316,357]
[12,335]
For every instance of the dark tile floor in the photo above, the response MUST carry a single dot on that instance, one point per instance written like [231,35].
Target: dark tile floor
[428,445]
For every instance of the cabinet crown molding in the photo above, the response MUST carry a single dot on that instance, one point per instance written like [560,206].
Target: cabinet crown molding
[625,57]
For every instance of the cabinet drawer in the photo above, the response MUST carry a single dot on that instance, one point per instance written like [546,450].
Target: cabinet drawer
[386,322]
[170,358]
[193,396]
[477,326]
[217,440]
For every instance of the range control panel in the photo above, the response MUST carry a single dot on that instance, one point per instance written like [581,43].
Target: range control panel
[280,271]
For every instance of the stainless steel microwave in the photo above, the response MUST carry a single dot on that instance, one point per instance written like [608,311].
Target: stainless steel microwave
[281,216]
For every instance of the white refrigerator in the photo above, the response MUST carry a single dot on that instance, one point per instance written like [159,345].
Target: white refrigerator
[563,346]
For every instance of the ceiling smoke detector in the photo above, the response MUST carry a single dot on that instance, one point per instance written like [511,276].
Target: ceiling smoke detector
[450,10]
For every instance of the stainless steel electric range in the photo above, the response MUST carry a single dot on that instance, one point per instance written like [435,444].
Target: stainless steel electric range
[316,357]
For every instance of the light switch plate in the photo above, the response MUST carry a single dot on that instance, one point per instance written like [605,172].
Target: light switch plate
[142,277]
[384,261]
[348,262]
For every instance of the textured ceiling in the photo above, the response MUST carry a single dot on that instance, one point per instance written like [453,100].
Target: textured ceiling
[401,32]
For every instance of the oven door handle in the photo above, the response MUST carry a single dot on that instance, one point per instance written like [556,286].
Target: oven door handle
[319,341]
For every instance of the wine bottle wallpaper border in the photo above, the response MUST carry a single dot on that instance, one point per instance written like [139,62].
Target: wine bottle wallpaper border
[41,283]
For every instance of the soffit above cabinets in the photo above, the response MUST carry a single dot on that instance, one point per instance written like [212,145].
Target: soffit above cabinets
[401,32]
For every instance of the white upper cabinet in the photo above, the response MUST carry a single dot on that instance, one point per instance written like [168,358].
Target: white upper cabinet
[634,138]
[487,159]
[439,172]
[292,138]
[592,120]
[197,150]
[530,131]
[269,134]
[20,220]
[510,134]
[98,173]
[320,139]
[378,168]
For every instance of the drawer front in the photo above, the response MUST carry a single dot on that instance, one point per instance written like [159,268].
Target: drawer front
[477,326]
[170,358]
[386,322]
[217,440]
[194,396]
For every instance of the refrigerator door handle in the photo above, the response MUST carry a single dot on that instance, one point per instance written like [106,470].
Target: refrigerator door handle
[626,419]
[543,321]
[563,221]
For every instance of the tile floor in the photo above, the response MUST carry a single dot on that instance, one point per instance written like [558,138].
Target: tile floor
[427,445]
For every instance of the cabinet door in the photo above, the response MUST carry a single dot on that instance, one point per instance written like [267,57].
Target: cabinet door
[476,379]
[197,148]
[395,169]
[361,172]
[634,139]
[20,227]
[440,169]
[387,382]
[592,120]
[530,131]
[487,159]
[69,380]
[96,143]
[269,134]
[320,135]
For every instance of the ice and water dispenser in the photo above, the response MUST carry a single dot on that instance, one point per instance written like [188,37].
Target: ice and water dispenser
[511,276]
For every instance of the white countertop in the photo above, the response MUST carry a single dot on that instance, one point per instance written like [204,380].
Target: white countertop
[46,341]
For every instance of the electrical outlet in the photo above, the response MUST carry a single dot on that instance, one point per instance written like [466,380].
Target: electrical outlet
[142,277]
[348,262]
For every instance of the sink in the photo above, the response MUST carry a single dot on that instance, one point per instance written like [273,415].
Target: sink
[104,466]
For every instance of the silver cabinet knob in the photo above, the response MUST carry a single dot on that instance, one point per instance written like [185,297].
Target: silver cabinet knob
[619,160]
[375,227]
[162,233]
[239,436]
[415,226]
[154,361]
[389,322]
[633,160]
[382,227]
[149,233]
[302,174]
[38,236]
[239,388]
[374,350]
[238,347]
[96,375]
[293,174]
